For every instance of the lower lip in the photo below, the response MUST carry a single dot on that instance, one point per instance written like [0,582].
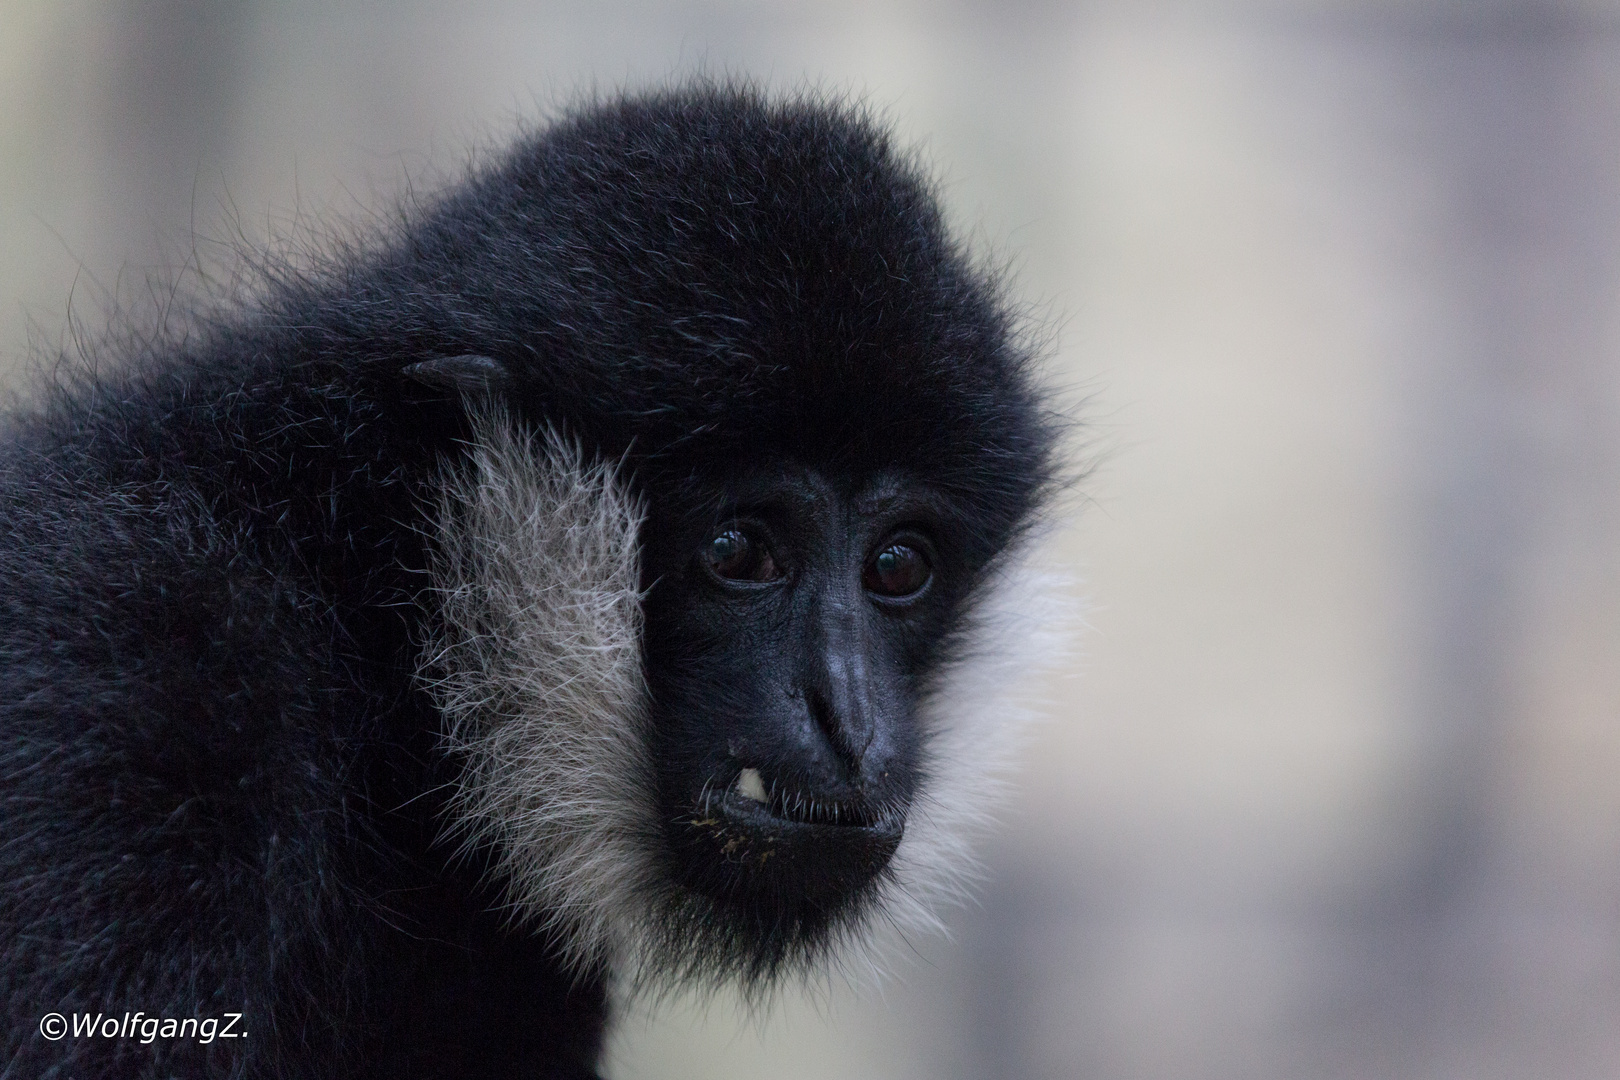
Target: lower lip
[752,814]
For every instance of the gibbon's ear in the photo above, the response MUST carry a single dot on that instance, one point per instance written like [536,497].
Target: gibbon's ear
[467,374]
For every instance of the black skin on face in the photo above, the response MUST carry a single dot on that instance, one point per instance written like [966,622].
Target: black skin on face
[788,631]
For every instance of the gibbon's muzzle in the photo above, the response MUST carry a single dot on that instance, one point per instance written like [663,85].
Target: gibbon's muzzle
[779,837]
[756,802]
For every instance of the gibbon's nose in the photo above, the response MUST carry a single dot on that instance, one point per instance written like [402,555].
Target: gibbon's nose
[850,705]
[843,710]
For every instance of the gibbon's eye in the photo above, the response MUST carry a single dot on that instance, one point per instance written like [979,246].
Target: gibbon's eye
[734,555]
[897,571]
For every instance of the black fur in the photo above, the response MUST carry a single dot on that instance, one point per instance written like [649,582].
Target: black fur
[221,781]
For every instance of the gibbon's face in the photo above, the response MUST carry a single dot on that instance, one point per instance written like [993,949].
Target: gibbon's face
[789,629]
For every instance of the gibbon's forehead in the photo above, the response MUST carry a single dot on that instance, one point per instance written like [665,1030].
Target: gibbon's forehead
[730,278]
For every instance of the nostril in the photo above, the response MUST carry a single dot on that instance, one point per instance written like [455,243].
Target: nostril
[833,727]
[821,712]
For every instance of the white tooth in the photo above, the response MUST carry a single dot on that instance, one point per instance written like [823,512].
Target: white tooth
[750,786]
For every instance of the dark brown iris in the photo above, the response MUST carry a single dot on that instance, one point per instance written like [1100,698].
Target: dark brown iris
[896,571]
[734,555]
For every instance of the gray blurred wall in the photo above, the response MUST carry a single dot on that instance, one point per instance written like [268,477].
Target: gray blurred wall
[1334,790]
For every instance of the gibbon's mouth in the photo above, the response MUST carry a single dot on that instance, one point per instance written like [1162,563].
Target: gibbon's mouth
[752,801]
[772,843]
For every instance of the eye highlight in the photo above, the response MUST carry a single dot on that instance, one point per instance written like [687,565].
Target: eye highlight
[897,571]
[735,555]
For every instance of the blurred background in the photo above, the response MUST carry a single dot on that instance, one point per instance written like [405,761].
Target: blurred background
[1334,790]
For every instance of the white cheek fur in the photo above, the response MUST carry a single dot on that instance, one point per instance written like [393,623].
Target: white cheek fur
[535,663]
